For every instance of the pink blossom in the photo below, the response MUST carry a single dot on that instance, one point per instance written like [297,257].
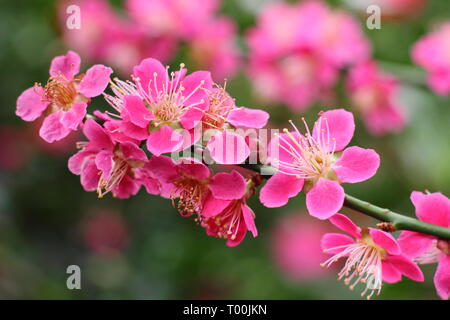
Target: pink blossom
[296,247]
[104,232]
[64,98]
[172,17]
[106,166]
[432,52]
[103,33]
[373,256]
[185,181]
[225,212]
[227,146]
[161,109]
[214,48]
[318,163]
[433,208]
[296,51]
[373,93]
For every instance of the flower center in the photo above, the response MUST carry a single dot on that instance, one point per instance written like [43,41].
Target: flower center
[121,167]
[220,105]
[312,157]
[226,224]
[60,92]
[190,193]
[363,264]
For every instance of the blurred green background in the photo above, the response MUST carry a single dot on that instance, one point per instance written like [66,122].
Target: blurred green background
[48,222]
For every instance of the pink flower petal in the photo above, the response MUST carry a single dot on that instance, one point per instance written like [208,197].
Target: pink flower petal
[416,196]
[95,81]
[72,119]
[194,88]
[131,151]
[333,242]
[442,277]
[78,160]
[52,129]
[325,199]
[390,273]
[228,186]
[281,148]
[194,169]
[104,162]
[338,124]
[162,168]
[414,244]
[126,188]
[98,138]
[434,208]
[30,104]
[131,130]
[191,118]
[165,140]
[345,224]
[213,206]
[385,241]
[152,74]
[249,218]
[137,112]
[357,164]
[89,176]
[279,189]
[151,185]
[68,65]
[406,267]
[228,148]
[248,118]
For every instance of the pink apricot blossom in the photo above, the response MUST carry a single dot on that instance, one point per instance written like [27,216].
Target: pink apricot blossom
[432,52]
[318,163]
[433,208]
[225,144]
[372,256]
[374,95]
[161,109]
[65,97]
[225,211]
[105,165]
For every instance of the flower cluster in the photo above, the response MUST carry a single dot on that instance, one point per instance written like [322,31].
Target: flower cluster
[432,53]
[153,28]
[158,113]
[297,51]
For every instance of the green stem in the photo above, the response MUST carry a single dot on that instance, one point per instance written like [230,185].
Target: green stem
[399,221]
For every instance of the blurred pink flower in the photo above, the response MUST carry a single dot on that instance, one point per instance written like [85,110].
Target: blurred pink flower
[64,98]
[16,148]
[177,18]
[214,48]
[103,33]
[433,208]
[373,256]
[296,51]
[318,164]
[104,232]
[373,93]
[296,247]
[432,52]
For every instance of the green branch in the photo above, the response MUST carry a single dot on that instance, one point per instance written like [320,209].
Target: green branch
[397,221]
